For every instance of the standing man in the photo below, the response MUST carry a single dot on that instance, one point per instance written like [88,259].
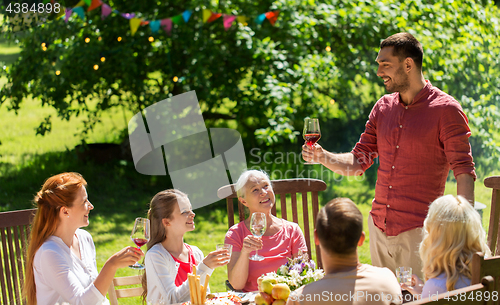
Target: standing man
[419,133]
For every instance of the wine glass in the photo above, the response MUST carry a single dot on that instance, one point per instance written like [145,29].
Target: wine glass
[311,133]
[258,228]
[140,236]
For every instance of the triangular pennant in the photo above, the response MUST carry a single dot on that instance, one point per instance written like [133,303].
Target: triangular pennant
[79,10]
[260,18]
[228,21]
[166,24]
[81,3]
[206,15]
[134,24]
[214,17]
[88,2]
[242,20]
[155,26]
[95,4]
[177,19]
[272,16]
[105,10]
[186,15]
[128,15]
[67,14]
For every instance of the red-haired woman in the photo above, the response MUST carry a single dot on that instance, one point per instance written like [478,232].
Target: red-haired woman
[61,256]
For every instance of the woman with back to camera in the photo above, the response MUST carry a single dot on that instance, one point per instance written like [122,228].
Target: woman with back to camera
[452,234]
[281,240]
[61,258]
[168,258]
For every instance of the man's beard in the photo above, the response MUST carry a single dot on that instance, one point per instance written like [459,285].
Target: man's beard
[401,85]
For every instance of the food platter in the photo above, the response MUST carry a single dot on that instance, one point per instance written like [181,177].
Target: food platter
[228,298]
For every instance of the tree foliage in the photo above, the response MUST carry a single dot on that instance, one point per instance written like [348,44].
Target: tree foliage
[319,60]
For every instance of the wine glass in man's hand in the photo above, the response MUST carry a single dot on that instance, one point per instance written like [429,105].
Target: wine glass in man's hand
[311,133]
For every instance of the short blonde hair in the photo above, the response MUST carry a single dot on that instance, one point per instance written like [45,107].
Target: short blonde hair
[452,234]
[243,179]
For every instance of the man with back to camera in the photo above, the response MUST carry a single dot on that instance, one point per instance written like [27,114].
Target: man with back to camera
[419,133]
[339,232]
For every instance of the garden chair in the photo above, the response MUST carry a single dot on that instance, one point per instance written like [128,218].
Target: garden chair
[493,182]
[14,232]
[117,293]
[282,189]
[474,294]
[481,267]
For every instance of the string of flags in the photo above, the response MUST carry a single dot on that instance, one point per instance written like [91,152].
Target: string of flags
[166,23]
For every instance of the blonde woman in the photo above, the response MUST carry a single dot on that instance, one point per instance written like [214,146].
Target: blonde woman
[452,234]
[61,260]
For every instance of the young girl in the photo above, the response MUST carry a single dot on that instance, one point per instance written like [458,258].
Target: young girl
[282,239]
[452,234]
[61,261]
[168,259]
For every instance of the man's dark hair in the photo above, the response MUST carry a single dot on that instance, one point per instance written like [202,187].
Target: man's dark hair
[405,45]
[339,226]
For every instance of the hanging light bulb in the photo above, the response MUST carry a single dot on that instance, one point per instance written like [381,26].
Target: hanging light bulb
[151,39]
[103,59]
[87,40]
[328,49]
[96,67]
[58,72]
[44,49]
[119,39]
[176,79]
[332,101]
[100,38]
[43,44]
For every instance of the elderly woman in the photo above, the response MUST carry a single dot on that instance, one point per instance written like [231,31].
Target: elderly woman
[452,234]
[281,240]
[61,256]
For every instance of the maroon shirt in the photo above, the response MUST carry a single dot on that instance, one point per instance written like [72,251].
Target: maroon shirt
[416,145]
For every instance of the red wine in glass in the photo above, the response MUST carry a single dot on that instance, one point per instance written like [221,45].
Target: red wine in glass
[140,242]
[312,138]
[140,236]
[311,133]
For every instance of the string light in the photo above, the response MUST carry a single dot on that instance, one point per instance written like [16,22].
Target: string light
[176,79]
[328,49]
[44,49]
[119,39]
[103,59]
[87,40]
[96,67]
[151,39]
[58,72]
[100,38]
[332,101]
[43,44]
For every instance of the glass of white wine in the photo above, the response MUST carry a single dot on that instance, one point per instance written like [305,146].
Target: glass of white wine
[258,228]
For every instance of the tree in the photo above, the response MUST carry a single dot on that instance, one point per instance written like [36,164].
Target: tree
[261,79]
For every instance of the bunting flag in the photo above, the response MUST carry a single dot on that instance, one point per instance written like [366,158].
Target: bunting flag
[228,21]
[105,11]
[80,12]
[134,24]
[155,26]
[81,3]
[206,15]
[95,4]
[272,16]
[128,15]
[260,18]
[166,24]
[242,20]
[177,19]
[186,15]
[67,14]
